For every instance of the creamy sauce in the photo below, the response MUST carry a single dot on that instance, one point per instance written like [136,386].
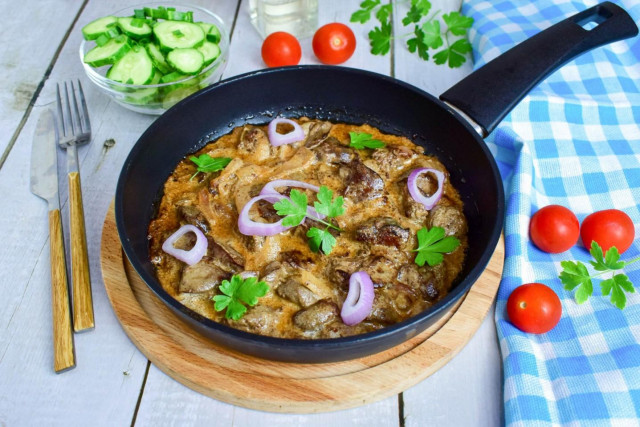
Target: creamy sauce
[402,288]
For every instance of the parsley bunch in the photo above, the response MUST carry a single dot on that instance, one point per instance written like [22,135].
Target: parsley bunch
[432,243]
[427,31]
[575,275]
[206,163]
[294,210]
[236,293]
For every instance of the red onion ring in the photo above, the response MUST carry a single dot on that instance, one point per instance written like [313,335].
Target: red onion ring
[359,300]
[276,139]
[412,183]
[195,254]
[248,227]
[270,188]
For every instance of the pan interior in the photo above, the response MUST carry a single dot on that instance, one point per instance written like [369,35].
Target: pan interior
[329,93]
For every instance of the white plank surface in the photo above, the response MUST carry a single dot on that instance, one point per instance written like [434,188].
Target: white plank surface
[31,34]
[104,388]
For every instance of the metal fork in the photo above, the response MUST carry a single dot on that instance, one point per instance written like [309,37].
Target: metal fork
[75,129]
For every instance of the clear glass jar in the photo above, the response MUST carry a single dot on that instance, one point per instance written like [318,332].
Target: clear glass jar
[298,17]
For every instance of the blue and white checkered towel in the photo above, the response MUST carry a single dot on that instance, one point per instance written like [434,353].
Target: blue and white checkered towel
[574,141]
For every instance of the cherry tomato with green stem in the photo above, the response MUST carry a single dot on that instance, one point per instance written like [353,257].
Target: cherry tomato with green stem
[554,229]
[534,308]
[280,49]
[608,228]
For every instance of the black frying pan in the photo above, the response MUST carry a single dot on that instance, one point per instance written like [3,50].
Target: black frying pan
[354,96]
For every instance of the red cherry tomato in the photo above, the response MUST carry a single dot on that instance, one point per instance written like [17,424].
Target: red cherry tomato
[534,308]
[280,49]
[334,43]
[554,229]
[608,228]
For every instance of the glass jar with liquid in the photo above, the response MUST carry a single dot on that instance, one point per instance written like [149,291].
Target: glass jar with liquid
[298,17]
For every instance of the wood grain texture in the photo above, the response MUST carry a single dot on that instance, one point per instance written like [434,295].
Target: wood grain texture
[80,279]
[63,353]
[273,386]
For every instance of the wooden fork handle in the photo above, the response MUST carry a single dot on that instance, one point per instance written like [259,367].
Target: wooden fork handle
[63,354]
[82,301]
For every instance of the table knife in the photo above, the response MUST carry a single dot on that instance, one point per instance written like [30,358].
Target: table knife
[44,183]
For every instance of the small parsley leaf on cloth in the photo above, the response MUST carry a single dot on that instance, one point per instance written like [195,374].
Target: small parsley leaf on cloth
[576,275]
[432,244]
[236,293]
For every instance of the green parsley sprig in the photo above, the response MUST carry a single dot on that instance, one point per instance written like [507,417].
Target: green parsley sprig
[576,275]
[427,31]
[236,293]
[206,163]
[362,140]
[432,244]
[294,211]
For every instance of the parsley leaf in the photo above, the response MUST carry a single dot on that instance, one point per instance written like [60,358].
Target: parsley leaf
[457,23]
[236,293]
[384,13]
[454,54]
[432,37]
[380,39]
[321,239]
[363,14]
[575,274]
[326,206]
[294,209]
[206,163]
[413,15]
[432,243]
[417,44]
[362,140]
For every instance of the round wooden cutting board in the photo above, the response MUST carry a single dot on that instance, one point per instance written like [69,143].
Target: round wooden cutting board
[266,385]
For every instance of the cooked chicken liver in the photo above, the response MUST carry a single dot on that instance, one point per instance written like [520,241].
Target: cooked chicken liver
[307,289]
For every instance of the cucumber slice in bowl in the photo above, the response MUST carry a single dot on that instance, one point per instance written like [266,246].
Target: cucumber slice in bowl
[98,27]
[129,27]
[108,53]
[148,95]
[157,58]
[187,61]
[178,35]
[134,68]
[210,51]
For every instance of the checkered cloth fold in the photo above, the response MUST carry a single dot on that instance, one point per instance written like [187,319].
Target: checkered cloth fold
[573,141]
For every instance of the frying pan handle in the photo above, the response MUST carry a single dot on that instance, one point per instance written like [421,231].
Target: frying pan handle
[492,91]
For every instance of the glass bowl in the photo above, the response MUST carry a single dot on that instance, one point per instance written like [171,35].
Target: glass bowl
[158,98]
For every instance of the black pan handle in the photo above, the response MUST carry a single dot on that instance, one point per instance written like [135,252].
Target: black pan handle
[492,91]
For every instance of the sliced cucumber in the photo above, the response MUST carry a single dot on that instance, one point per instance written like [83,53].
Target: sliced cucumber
[135,68]
[95,29]
[145,96]
[158,58]
[210,51]
[177,95]
[187,61]
[178,35]
[108,53]
[206,27]
[133,31]
[213,35]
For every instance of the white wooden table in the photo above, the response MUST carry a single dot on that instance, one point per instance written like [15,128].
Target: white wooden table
[113,383]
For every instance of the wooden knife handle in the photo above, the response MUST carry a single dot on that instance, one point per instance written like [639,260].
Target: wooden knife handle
[63,355]
[82,301]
